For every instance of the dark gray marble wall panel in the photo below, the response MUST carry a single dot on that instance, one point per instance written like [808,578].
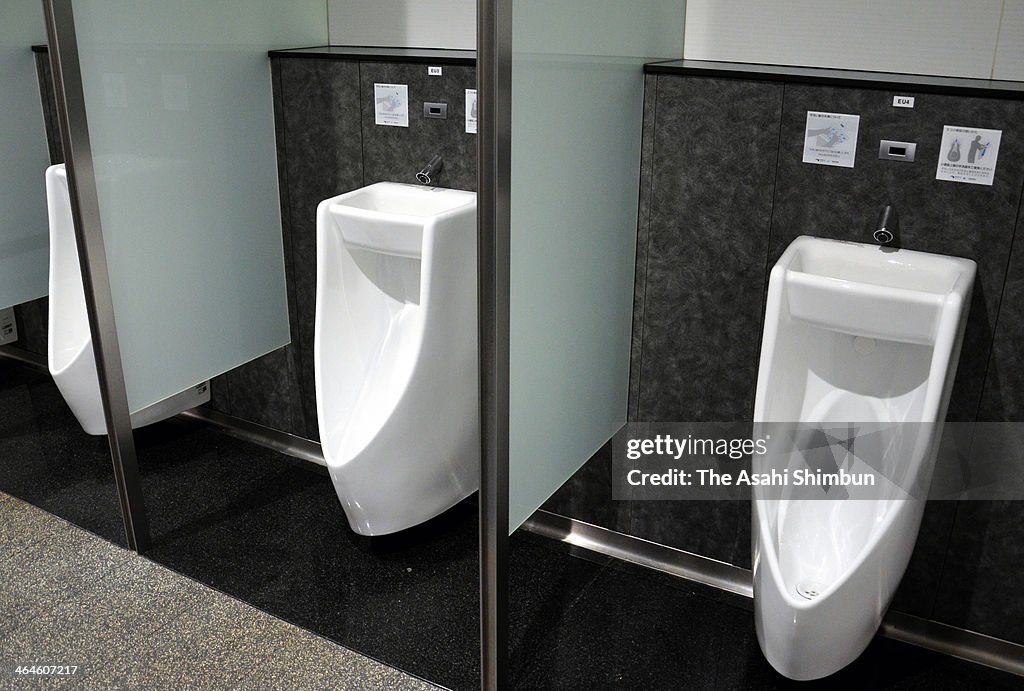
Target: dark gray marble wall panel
[919,588]
[220,394]
[711,173]
[642,240]
[980,587]
[49,98]
[320,145]
[268,391]
[31,318]
[973,221]
[715,149]
[716,529]
[396,154]
[587,495]
[981,582]
[1003,399]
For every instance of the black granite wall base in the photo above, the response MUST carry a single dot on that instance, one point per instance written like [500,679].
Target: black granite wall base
[723,192]
[328,144]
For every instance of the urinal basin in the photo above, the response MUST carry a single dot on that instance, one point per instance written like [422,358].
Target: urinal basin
[391,217]
[395,352]
[867,291]
[860,336]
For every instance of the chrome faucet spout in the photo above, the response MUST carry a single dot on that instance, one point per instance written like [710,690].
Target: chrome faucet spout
[430,171]
[887,230]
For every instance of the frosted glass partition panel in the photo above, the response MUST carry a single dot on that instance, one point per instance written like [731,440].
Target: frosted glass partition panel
[180,108]
[577,113]
[23,156]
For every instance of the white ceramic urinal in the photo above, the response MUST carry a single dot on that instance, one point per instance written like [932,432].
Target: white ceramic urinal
[867,337]
[69,349]
[395,352]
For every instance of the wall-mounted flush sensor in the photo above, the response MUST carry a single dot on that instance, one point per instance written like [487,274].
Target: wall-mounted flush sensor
[435,110]
[896,151]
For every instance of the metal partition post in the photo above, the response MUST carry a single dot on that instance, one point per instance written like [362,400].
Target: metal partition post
[85,211]
[494,85]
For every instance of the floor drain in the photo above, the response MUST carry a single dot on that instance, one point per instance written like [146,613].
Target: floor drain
[809,590]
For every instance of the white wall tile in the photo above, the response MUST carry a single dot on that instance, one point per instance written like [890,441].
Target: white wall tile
[937,37]
[1010,53]
[403,23]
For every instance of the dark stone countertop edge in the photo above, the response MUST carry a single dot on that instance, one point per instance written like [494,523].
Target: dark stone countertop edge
[991,88]
[365,54]
[372,53]
[829,77]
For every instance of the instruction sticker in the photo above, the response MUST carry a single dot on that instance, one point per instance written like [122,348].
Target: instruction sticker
[968,154]
[8,327]
[391,104]
[471,111]
[830,139]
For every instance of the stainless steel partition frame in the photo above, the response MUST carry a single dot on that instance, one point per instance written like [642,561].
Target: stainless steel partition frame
[85,210]
[494,88]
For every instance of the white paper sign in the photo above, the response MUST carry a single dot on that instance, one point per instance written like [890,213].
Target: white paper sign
[391,104]
[968,154]
[471,111]
[8,327]
[830,139]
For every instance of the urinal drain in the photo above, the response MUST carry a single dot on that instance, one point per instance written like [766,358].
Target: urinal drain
[809,590]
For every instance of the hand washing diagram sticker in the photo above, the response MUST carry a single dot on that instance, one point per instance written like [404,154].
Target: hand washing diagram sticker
[968,154]
[391,104]
[830,139]
[471,111]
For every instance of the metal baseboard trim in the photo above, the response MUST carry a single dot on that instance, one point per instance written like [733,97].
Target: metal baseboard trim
[282,442]
[950,640]
[27,358]
[967,645]
[652,555]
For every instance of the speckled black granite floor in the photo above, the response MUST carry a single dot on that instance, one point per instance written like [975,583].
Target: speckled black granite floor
[48,460]
[606,624]
[269,531]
